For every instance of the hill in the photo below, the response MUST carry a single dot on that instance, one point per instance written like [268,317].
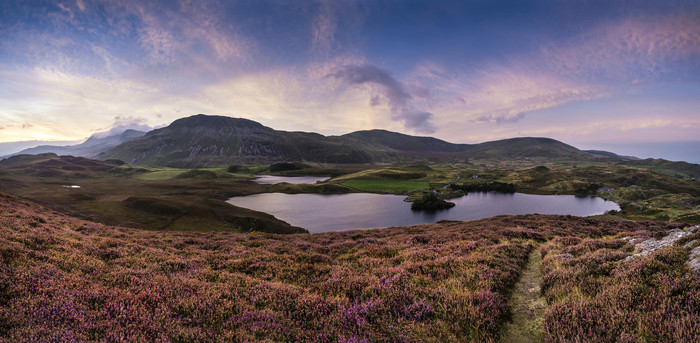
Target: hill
[203,140]
[394,141]
[611,154]
[677,169]
[11,148]
[51,165]
[526,147]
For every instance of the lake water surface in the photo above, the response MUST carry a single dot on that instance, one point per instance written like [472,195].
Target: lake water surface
[272,179]
[337,212]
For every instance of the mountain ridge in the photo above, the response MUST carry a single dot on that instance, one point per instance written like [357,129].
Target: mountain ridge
[89,148]
[210,140]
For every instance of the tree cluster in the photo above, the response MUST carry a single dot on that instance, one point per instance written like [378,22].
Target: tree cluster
[430,202]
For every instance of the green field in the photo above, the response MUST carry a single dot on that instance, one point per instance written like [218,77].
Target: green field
[386,185]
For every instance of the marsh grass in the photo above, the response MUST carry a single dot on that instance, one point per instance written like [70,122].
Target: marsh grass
[387,186]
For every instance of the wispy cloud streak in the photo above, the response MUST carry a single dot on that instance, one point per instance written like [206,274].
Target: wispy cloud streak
[392,90]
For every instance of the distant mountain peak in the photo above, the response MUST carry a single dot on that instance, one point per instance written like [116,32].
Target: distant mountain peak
[91,147]
[214,121]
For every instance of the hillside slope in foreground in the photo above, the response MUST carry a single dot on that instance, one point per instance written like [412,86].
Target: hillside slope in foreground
[64,279]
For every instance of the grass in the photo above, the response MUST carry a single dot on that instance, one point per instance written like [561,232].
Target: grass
[663,197]
[387,186]
[526,304]
[166,173]
[161,175]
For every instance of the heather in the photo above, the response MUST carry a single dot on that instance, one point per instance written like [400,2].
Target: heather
[596,293]
[65,279]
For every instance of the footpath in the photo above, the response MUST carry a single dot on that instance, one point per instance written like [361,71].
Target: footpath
[526,304]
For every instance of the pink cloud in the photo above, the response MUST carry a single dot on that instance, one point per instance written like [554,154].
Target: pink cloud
[629,50]
[593,65]
[324,27]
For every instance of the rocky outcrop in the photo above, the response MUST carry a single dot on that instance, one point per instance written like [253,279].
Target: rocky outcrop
[694,259]
[650,245]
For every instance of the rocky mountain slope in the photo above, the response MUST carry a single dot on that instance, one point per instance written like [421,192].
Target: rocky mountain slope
[204,140]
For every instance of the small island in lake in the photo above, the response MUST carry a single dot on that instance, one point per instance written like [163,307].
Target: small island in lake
[430,201]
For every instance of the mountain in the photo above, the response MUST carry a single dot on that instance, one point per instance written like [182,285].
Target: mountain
[204,140]
[525,147]
[382,139]
[611,154]
[11,148]
[91,147]
[216,140]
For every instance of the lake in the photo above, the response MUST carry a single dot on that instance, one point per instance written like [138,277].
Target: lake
[272,179]
[337,212]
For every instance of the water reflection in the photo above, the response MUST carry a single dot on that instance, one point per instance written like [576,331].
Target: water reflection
[336,212]
[272,179]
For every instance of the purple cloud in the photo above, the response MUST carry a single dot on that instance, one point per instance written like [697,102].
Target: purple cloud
[418,121]
[393,91]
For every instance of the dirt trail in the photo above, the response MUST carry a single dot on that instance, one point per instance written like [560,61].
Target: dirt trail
[455,180]
[526,304]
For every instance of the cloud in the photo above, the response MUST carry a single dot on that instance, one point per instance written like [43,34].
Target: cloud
[51,100]
[375,100]
[81,5]
[603,61]
[497,94]
[633,49]
[398,99]
[390,87]
[501,118]
[122,124]
[324,27]
[154,40]
[418,121]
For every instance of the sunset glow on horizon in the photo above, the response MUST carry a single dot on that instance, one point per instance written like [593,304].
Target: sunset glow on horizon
[615,72]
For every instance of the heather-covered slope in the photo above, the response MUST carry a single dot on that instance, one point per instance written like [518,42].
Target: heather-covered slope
[66,279]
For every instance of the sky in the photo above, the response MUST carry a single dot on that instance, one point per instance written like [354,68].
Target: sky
[589,73]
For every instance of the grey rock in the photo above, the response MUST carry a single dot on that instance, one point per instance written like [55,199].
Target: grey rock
[650,245]
[694,259]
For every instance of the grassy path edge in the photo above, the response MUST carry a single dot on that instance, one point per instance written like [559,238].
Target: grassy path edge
[526,304]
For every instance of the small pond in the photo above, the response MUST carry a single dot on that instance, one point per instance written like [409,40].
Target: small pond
[272,179]
[337,212]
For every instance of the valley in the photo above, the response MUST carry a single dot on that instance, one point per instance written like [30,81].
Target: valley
[196,171]
[174,199]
